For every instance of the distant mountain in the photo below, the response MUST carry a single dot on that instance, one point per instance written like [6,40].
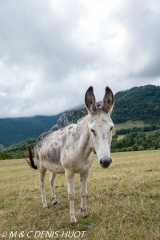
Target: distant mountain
[15,130]
[138,103]
[68,117]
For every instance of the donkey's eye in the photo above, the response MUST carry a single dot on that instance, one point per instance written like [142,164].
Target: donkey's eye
[93,131]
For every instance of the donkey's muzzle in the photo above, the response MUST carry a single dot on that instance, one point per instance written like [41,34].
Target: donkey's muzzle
[104,163]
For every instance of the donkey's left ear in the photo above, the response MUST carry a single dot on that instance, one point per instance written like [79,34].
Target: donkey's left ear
[108,100]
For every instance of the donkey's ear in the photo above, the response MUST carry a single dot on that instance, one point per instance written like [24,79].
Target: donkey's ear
[108,100]
[90,100]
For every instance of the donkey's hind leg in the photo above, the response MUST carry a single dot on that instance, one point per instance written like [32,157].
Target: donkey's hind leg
[52,182]
[42,173]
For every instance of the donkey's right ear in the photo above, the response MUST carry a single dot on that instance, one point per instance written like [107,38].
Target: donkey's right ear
[90,100]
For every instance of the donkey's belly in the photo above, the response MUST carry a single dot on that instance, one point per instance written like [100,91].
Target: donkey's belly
[55,168]
[78,164]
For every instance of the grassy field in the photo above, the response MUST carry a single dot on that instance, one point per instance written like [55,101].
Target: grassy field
[123,201]
[128,124]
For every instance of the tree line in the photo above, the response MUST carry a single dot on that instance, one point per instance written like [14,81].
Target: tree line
[136,141]
[17,151]
[124,131]
[132,141]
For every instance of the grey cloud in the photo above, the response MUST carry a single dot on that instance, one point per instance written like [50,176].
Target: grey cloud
[142,22]
[49,56]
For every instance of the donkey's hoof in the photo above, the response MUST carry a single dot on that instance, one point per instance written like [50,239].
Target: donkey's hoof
[73,225]
[73,221]
[54,202]
[45,205]
[84,212]
[85,215]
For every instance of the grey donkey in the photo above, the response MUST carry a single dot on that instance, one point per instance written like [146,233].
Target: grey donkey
[70,150]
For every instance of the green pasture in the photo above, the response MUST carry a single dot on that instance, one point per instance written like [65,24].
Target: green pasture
[130,124]
[123,201]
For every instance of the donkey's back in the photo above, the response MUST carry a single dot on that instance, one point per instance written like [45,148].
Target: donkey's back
[64,148]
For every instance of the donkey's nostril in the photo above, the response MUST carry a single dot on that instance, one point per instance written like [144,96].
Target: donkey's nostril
[104,163]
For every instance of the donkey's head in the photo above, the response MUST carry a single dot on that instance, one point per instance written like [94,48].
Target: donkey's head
[100,124]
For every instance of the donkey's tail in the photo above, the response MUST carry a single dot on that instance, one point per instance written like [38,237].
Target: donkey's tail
[31,162]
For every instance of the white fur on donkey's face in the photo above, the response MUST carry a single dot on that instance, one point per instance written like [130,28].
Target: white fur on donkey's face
[100,126]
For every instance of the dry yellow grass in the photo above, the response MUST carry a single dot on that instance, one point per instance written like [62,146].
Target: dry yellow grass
[123,201]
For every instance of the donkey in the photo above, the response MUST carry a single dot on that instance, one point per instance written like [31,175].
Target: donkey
[70,150]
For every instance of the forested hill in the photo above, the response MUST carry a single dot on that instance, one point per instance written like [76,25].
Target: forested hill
[138,103]
[14,130]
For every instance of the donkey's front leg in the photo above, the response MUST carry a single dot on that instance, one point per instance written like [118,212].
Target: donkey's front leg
[71,194]
[83,179]
[52,182]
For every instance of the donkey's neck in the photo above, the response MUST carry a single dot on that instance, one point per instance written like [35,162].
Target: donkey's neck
[85,142]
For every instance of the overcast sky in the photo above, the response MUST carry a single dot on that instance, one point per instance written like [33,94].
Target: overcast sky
[51,51]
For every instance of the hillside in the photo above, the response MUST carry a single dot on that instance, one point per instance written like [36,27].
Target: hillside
[14,130]
[138,103]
